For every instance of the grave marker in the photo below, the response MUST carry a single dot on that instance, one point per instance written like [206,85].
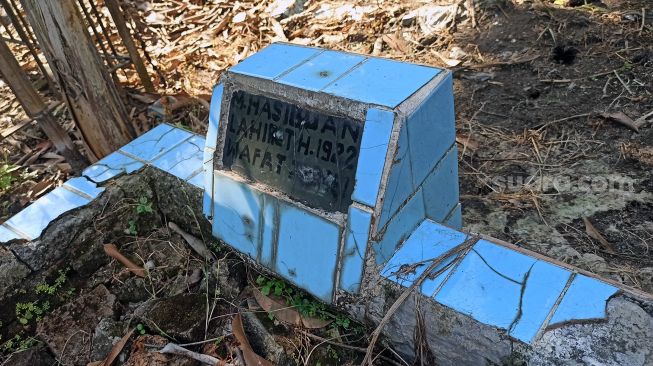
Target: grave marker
[318,161]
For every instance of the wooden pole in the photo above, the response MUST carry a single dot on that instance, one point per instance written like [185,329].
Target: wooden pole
[90,93]
[22,33]
[121,26]
[35,108]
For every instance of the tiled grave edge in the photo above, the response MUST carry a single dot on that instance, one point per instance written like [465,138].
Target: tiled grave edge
[568,294]
[165,147]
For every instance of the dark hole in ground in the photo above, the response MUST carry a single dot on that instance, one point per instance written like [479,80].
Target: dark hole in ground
[565,55]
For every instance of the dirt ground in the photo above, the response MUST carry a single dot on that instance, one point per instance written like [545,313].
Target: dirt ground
[539,91]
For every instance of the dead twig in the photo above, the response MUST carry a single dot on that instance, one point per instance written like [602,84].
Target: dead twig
[457,250]
[174,349]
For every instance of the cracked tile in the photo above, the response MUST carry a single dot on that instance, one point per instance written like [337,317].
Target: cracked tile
[84,186]
[36,217]
[111,166]
[373,151]
[156,142]
[504,288]
[358,226]
[429,241]
[586,299]
[6,234]
[184,159]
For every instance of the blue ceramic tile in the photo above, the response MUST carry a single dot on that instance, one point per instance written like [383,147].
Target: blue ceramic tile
[543,288]
[207,201]
[197,180]
[441,187]
[429,241]
[381,81]
[586,299]
[6,234]
[236,214]
[455,218]
[214,117]
[399,228]
[156,142]
[184,159]
[270,230]
[308,251]
[353,260]
[274,60]
[432,130]
[321,70]
[36,217]
[400,182]
[83,186]
[371,159]
[110,166]
[503,288]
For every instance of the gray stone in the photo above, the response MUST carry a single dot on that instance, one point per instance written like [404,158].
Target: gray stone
[181,317]
[12,271]
[68,330]
[626,338]
[107,333]
[35,356]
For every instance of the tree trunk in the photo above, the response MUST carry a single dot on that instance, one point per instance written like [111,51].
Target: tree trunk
[87,87]
[35,108]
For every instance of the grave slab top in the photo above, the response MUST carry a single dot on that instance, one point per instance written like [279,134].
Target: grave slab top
[357,77]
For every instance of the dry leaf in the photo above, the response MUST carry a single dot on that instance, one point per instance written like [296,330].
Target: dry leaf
[198,246]
[621,118]
[396,42]
[595,234]
[251,358]
[117,348]
[113,252]
[287,314]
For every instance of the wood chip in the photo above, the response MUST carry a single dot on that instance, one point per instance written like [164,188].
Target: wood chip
[595,234]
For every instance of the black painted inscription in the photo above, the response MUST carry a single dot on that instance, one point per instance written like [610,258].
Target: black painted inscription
[309,155]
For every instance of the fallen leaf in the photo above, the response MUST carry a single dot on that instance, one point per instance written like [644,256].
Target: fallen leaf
[112,251]
[287,314]
[198,245]
[595,234]
[251,358]
[117,348]
[621,118]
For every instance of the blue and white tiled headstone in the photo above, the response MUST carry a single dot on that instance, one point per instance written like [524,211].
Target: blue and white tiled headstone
[319,159]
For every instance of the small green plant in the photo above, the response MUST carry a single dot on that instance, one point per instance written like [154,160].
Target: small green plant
[17,344]
[44,288]
[140,329]
[132,229]
[33,310]
[144,206]
[300,301]
[6,178]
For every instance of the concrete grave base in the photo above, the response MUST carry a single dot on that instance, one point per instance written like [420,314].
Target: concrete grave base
[609,325]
